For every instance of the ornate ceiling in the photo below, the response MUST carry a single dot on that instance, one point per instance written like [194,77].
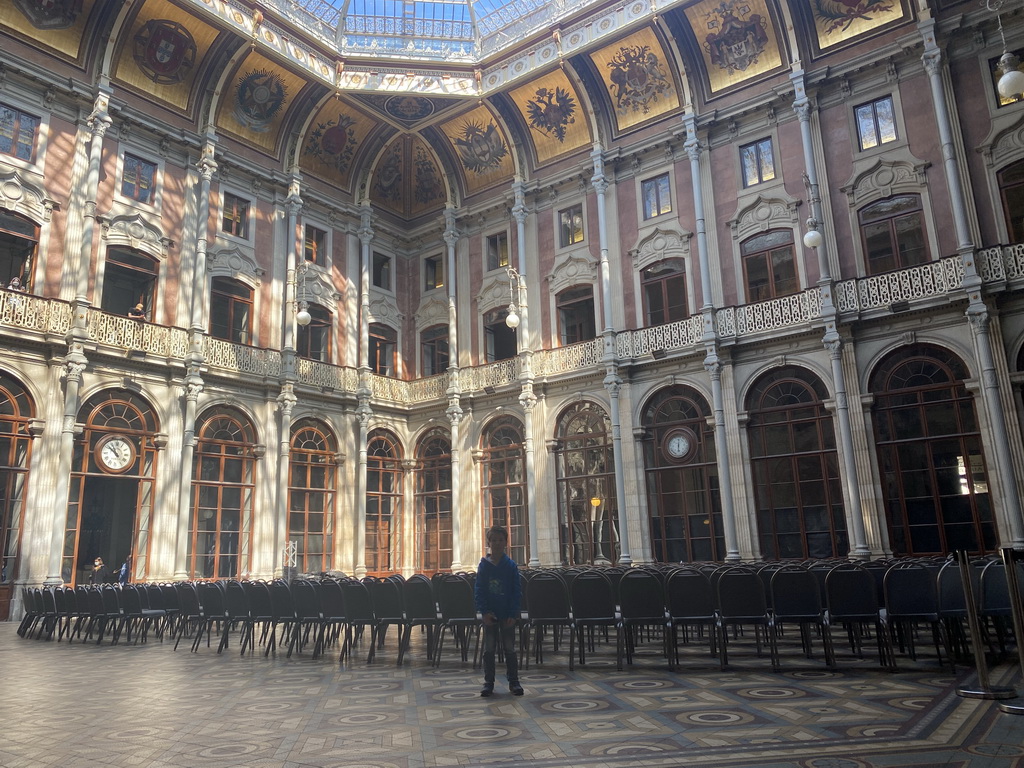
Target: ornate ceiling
[415,104]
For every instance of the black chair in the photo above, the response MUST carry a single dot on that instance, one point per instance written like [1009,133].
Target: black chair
[309,618]
[190,611]
[641,608]
[386,602]
[332,610]
[211,598]
[548,599]
[358,616]
[690,603]
[912,599]
[282,609]
[135,616]
[236,608]
[851,600]
[592,598]
[32,610]
[741,603]
[795,599]
[419,609]
[261,612]
[457,606]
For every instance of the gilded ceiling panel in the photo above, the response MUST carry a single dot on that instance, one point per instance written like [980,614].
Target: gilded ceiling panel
[58,25]
[638,75]
[408,180]
[331,141]
[162,52]
[840,21]
[553,110]
[481,148]
[737,38]
[255,100]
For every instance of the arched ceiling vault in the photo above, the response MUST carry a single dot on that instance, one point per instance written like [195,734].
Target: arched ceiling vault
[430,101]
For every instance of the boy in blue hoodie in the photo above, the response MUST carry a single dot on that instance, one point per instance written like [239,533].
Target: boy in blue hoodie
[497,599]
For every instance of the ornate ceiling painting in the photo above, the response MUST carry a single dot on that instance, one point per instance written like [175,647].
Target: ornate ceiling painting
[482,150]
[405,110]
[332,139]
[255,100]
[162,51]
[638,77]
[407,180]
[57,24]
[737,40]
[840,21]
[552,110]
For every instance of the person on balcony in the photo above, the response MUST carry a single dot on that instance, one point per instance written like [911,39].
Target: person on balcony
[15,285]
[137,313]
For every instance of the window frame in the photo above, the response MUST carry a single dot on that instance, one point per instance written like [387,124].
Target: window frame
[433,273]
[759,159]
[149,284]
[567,308]
[568,236]
[383,345]
[873,105]
[223,298]
[491,248]
[655,183]
[663,280]
[496,333]
[431,350]
[768,253]
[123,181]
[244,225]
[322,321]
[896,253]
[15,131]
[321,250]
[381,267]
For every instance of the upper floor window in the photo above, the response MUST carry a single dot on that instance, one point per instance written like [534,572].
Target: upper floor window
[138,178]
[383,349]
[129,279]
[18,133]
[433,273]
[657,196]
[664,292]
[769,265]
[235,216]
[497,251]
[758,162]
[231,310]
[570,226]
[382,271]
[434,350]
[876,122]
[1011,189]
[500,340]
[314,340]
[314,245]
[19,240]
[893,232]
[575,307]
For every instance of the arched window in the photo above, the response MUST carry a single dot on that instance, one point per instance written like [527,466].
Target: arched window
[893,234]
[223,485]
[19,239]
[683,496]
[112,486]
[1011,190]
[769,266]
[434,502]
[231,310]
[383,503]
[314,340]
[312,486]
[587,509]
[930,457]
[434,350]
[129,278]
[797,488]
[499,339]
[664,291]
[503,484]
[575,308]
[16,408]
[383,349]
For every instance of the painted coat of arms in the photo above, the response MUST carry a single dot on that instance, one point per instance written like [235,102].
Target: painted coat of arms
[480,147]
[638,78]
[50,14]
[736,43]
[428,186]
[258,98]
[840,14]
[551,111]
[333,142]
[164,51]
[388,182]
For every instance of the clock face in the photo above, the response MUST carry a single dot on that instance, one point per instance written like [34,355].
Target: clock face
[679,444]
[115,454]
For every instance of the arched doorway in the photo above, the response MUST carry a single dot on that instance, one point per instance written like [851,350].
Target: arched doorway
[503,483]
[930,458]
[16,408]
[312,481]
[110,502]
[434,502]
[223,486]
[683,499]
[793,459]
[587,509]
[384,475]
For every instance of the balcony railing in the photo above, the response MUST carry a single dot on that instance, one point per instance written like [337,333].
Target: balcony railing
[574,357]
[935,278]
[490,375]
[128,333]
[313,373]
[32,313]
[239,358]
[643,341]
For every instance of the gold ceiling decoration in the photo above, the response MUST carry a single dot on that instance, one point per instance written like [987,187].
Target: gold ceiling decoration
[407,179]
[59,26]
[839,21]
[639,77]
[256,98]
[737,38]
[483,151]
[332,139]
[553,111]
[162,53]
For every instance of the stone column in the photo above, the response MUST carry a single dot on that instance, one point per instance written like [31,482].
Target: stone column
[454,412]
[285,405]
[364,411]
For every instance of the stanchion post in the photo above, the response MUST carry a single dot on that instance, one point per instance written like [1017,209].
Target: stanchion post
[984,689]
[1010,558]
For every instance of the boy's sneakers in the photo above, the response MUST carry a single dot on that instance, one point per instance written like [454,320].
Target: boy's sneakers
[488,689]
[515,689]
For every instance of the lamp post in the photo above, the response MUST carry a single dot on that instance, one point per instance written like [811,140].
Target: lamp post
[1011,82]
[597,524]
[302,316]
[515,297]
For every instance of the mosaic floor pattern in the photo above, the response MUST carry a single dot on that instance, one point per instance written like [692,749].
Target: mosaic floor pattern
[147,706]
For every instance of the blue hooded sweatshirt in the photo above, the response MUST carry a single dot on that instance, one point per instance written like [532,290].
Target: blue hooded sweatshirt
[497,588]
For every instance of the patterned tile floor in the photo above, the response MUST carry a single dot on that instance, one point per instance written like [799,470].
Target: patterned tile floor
[147,706]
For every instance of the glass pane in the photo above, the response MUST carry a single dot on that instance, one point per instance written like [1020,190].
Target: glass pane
[878,247]
[784,272]
[910,238]
[758,280]
[748,160]
[866,127]
[886,120]
[767,160]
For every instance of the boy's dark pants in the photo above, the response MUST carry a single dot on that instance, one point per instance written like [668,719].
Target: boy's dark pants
[508,644]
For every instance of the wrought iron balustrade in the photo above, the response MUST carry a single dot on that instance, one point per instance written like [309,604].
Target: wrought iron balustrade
[34,313]
[326,376]
[573,357]
[936,278]
[240,358]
